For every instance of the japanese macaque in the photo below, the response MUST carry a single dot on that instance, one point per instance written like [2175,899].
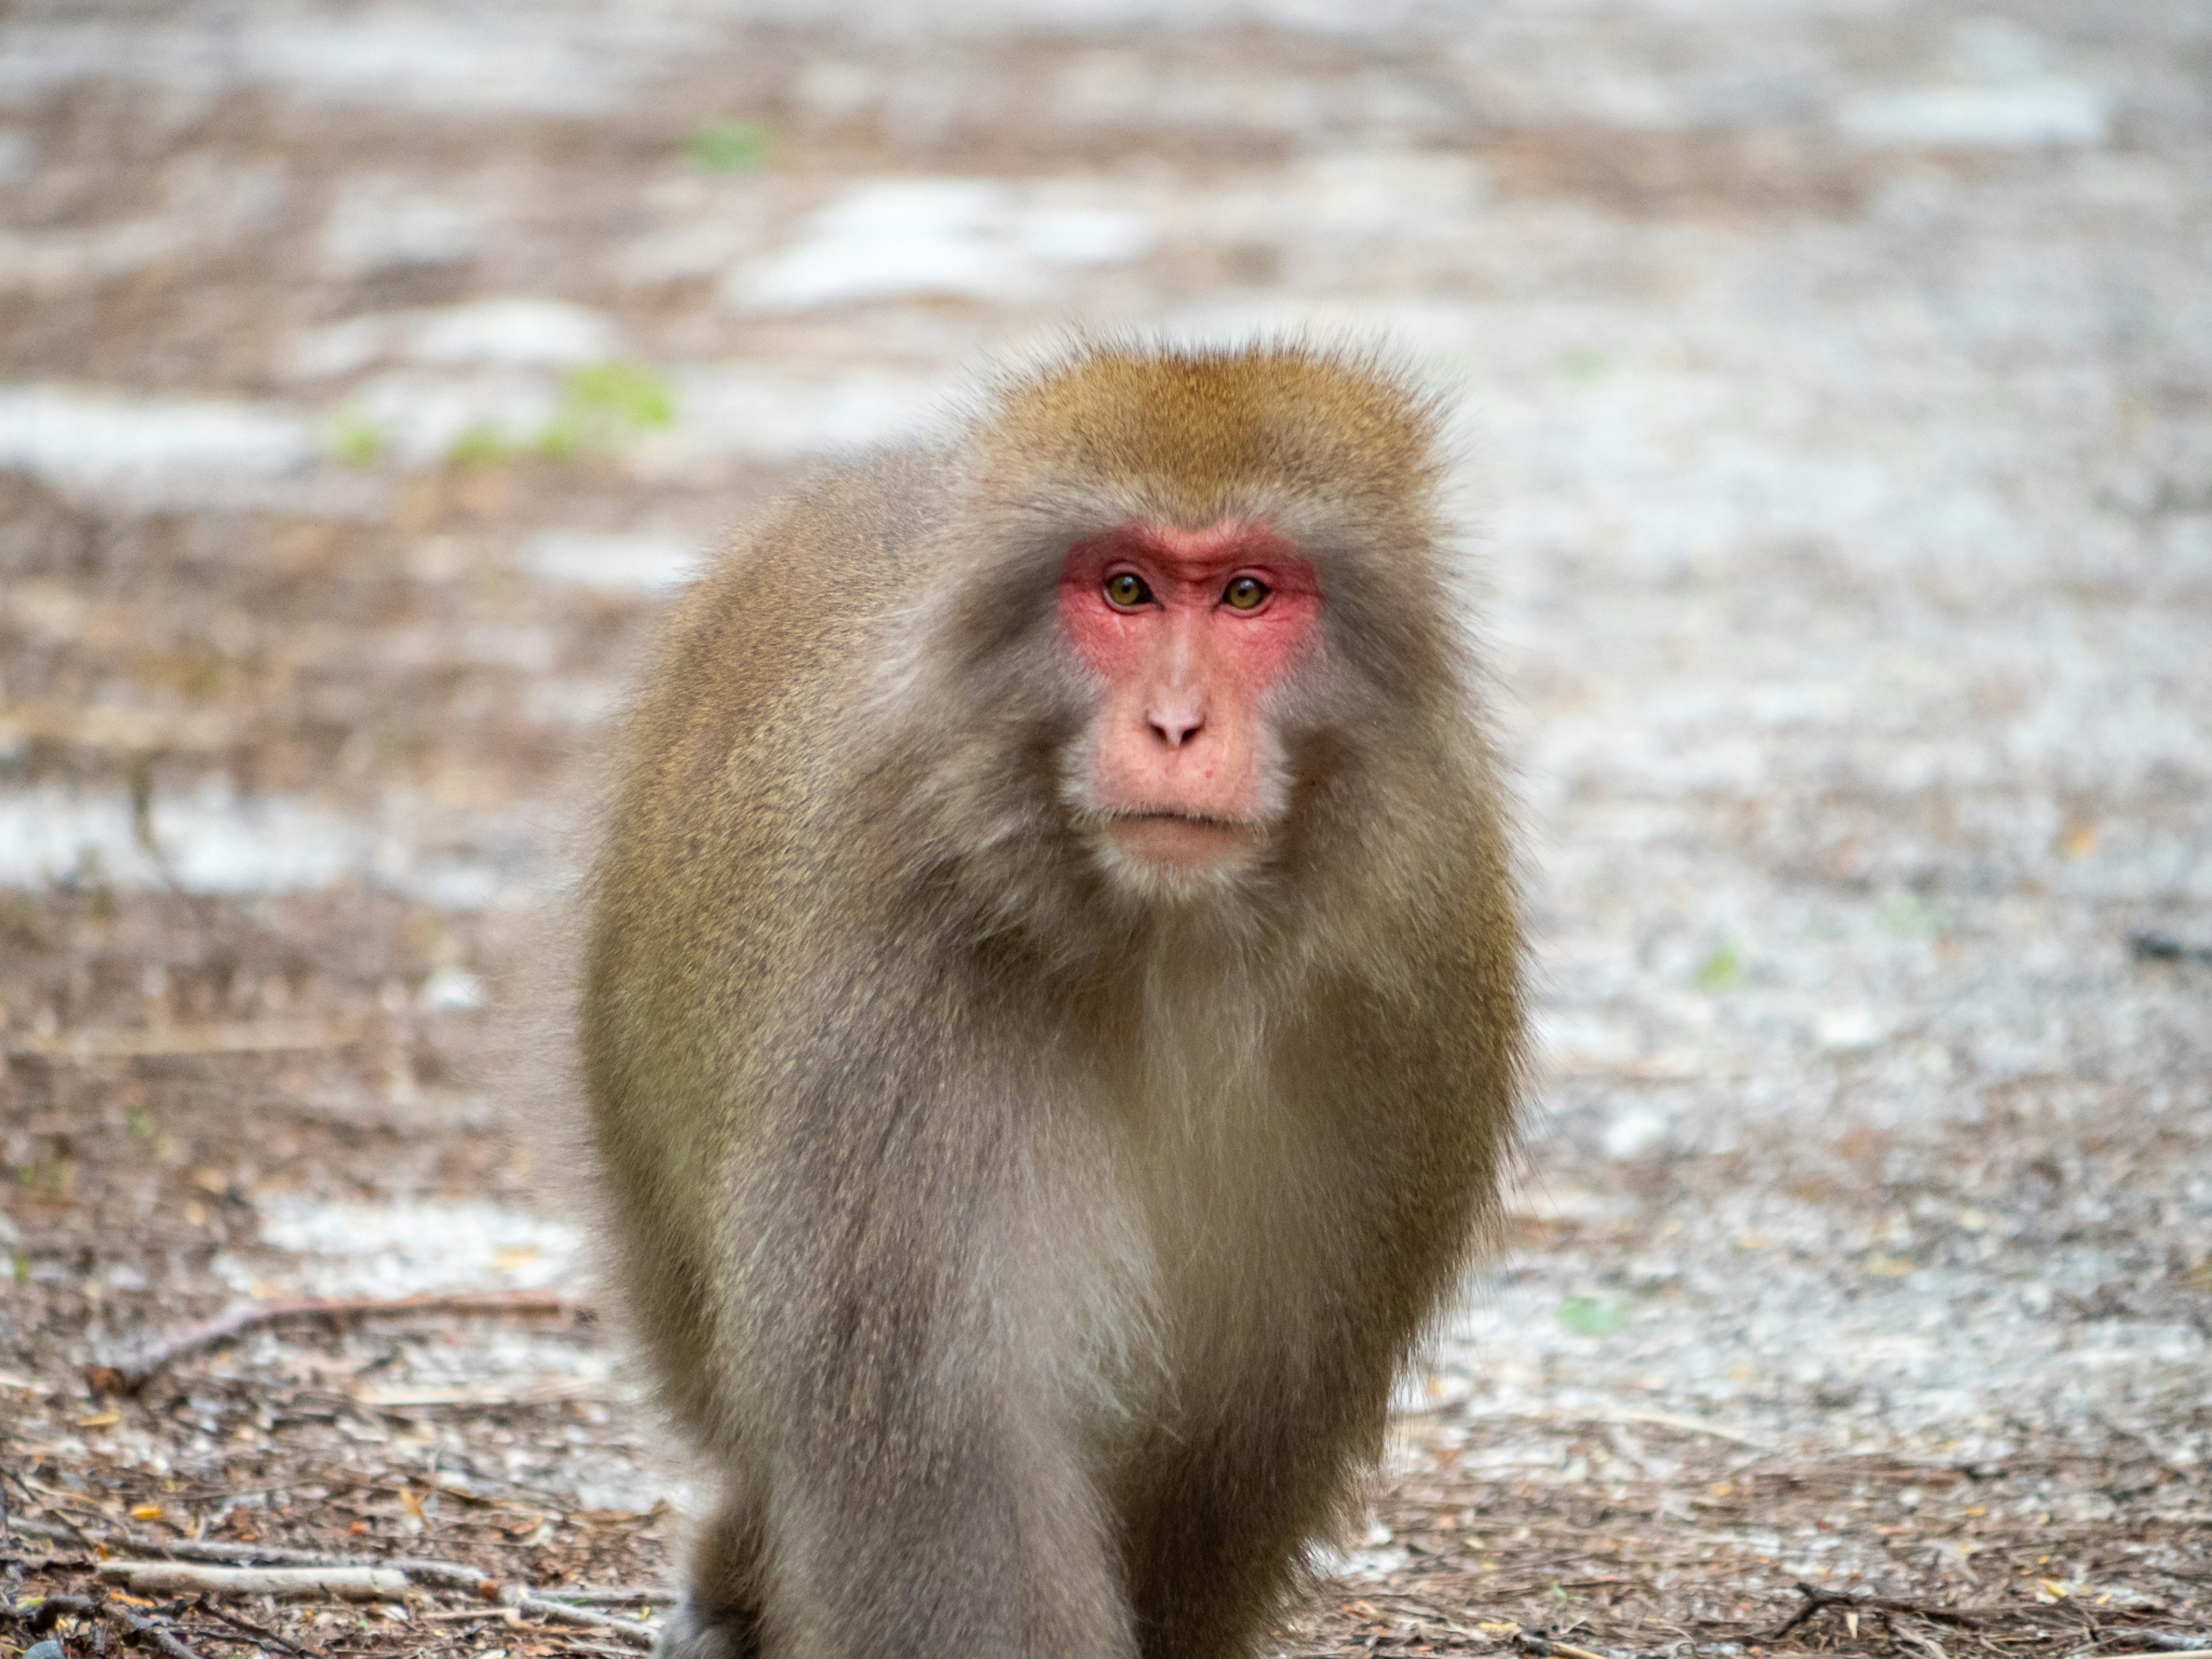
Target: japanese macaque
[1051,1013]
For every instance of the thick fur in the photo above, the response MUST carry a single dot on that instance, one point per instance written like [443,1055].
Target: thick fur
[1031,1249]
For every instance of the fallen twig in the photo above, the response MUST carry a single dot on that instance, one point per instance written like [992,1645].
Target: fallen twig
[1817,1600]
[546,1607]
[42,1618]
[151,1042]
[129,1375]
[1679,1421]
[445,1574]
[613,1595]
[2159,947]
[181,1578]
[255,1633]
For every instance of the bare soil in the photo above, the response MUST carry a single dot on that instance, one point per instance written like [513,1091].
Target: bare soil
[1837,388]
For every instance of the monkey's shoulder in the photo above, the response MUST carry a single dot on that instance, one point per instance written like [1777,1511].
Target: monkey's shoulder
[847,537]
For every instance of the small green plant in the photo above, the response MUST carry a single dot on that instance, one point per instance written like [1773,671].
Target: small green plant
[1585,1315]
[483,445]
[1722,970]
[625,394]
[53,1179]
[355,441]
[731,147]
[1908,916]
[142,1124]
[603,406]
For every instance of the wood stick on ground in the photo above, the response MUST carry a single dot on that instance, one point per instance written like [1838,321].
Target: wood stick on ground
[1817,1600]
[156,1041]
[128,1374]
[255,1633]
[613,1595]
[546,1607]
[447,1575]
[289,1584]
[40,1619]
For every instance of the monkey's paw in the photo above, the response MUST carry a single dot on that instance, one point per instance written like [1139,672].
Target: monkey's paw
[693,1632]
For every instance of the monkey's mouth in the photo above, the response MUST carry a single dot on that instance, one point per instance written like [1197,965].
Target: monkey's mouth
[1182,841]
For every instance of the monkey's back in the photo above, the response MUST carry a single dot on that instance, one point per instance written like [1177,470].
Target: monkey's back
[705,870]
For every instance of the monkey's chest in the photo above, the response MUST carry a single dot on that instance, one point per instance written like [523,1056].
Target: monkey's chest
[1188,1273]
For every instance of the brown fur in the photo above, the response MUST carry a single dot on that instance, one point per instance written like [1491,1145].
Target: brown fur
[1032,1254]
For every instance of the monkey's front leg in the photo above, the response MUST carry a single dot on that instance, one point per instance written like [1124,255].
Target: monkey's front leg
[920,1493]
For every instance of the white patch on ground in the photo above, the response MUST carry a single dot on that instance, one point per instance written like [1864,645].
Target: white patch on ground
[81,441]
[617,564]
[2051,111]
[764,414]
[399,1249]
[919,238]
[486,60]
[2006,98]
[451,990]
[210,839]
[511,332]
[419,416]
[1635,1131]
[1889,1349]
[1374,1556]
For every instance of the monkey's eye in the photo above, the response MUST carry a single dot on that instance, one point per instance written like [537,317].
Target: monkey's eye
[1246,593]
[1126,590]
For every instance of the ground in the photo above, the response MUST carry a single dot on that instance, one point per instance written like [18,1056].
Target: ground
[1834,384]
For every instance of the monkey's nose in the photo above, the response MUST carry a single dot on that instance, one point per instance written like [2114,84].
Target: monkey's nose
[1176,726]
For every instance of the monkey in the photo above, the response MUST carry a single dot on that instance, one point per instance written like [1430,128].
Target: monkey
[1052,1008]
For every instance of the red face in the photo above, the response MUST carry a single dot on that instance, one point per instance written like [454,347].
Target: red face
[1186,631]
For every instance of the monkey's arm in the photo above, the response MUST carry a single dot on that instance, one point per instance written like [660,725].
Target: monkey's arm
[911,1448]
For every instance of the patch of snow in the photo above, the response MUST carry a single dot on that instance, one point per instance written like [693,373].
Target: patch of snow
[421,416]
[398,1249]
[451,990]
[80,440]
[765,414]
[617,564]
[1636,1130]
[510,331]
[1843,1029]
[209,840]
[394,55]
[2022,115]
[917,237]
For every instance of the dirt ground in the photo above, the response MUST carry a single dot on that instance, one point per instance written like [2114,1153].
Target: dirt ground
[1836,386]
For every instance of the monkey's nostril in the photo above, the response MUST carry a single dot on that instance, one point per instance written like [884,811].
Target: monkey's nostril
[1176,730]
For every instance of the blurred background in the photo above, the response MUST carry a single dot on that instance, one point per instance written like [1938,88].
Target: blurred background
[1836,381]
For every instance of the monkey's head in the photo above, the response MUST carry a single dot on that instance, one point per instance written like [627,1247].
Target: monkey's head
[1197,634]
